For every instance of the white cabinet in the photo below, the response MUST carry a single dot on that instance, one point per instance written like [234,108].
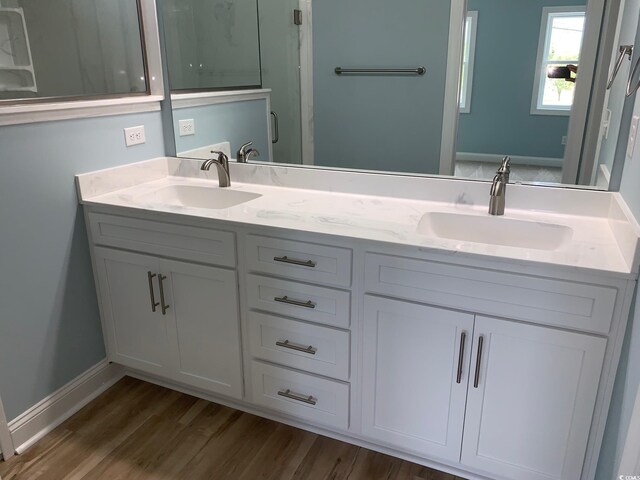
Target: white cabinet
[204,326]
[173,319]
[135,331]
[415,371]
[529,412]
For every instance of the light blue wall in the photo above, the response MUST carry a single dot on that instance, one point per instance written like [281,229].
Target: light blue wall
[628,376]
[234,122]
[379,122]
[500,121]
[49,324]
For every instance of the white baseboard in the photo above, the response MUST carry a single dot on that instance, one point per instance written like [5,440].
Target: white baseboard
[50,412]
[515,159]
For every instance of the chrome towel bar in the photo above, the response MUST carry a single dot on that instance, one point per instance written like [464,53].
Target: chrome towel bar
[417,71]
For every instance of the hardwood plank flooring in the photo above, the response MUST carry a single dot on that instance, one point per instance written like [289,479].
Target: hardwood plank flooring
[140,431]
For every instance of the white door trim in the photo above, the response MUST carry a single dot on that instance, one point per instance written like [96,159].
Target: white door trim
[580,109]
[306,82]
[630,462]
[6,443]
[451,90]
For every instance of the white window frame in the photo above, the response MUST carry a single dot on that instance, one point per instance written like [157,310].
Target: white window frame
[472,19]
[548,13]
[68,109]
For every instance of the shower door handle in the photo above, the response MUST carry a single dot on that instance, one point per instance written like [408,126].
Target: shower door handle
[276,129]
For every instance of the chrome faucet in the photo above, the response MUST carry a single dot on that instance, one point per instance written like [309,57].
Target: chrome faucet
[498,192]
[245,153]
[222,164]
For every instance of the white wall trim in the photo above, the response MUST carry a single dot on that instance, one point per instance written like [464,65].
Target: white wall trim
[603,177]
[582,96]
[457,18]
[199,99]
[6,443]
[515,159]
[50,412]
[306,83]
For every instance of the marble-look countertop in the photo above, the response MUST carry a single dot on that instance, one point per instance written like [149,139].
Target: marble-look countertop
[594,245]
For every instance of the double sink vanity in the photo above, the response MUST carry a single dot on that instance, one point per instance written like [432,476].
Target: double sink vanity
[390,312]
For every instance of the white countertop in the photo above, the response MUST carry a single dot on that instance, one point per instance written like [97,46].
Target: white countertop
[603,242]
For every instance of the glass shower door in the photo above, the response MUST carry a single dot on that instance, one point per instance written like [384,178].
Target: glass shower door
[280,60]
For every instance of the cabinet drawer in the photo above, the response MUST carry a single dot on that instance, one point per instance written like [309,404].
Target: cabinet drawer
[320,350]
[307,302]
[300,260]
[536,299]
[300,395]
[188,243]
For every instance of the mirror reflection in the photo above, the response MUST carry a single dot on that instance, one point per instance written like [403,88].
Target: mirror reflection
[413,86]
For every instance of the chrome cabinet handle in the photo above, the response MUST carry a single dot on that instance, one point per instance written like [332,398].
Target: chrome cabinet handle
[292,346]
[276,128]
[293,261]
[164,306]
[297,303]
[476,380]
[300,398]
[463,339]
[152,295]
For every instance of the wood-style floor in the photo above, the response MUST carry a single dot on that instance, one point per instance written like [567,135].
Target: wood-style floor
[137,430]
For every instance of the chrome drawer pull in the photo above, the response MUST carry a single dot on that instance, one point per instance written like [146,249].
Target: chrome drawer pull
[292,346]
[300,398]
[463,338]
[293,261]
[297,303]
[476,380]
[154,304]
[164,306]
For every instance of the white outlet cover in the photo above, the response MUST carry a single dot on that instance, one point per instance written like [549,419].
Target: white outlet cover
[134,136]
[187,127]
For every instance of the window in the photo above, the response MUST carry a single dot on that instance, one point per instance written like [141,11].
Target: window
[468,55]
[559,45]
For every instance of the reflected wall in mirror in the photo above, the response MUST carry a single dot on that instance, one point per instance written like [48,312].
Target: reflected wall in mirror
[212,44]
[508,103]
[68,48]
[414,86]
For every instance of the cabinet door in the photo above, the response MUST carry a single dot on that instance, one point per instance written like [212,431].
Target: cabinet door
[204,326]
[529,413]
[415,371]
[136,335]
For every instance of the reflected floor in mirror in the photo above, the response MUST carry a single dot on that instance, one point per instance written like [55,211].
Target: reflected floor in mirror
[519,173]
[143,431]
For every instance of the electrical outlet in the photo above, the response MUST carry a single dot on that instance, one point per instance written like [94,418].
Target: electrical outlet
[134,136]
[187,127]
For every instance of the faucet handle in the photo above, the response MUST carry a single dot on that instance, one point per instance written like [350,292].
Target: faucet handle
[505,166]
[244,153]
[222,157]
[243,147]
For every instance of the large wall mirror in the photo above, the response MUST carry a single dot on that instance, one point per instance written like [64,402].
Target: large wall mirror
[435,87]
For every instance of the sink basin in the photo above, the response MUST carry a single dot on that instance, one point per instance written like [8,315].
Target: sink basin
[199,197]
[495,230]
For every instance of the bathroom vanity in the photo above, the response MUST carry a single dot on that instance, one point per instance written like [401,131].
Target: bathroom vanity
[414,325]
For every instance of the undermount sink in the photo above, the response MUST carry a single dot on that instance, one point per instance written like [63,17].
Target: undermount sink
[495,230]
[198,197]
